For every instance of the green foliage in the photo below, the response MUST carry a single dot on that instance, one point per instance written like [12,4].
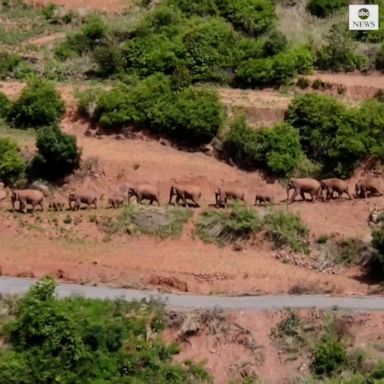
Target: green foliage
[330,354]
[197,7]
[276,150]
[378,246]
[192,115]
[4,105]
[159,222]
[109,59]
[229,226]
[250,16]
[289,326]
[324,8]
[340,52]
[380,59]
[79,340]
[8,64]
[12,165]
[286,229]
[57,156]
[38,105]
[275,70]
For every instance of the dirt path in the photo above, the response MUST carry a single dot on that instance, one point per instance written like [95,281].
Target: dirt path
[260,303]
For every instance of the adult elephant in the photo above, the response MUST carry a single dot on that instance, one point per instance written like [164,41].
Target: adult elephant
[144,192]
[184,192]
[303,186]
[27,196]
[223,194]
[79,198]
[368,186]
[334,185]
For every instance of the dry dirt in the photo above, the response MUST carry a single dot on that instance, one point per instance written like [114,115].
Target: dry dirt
[137,261]
[247,347]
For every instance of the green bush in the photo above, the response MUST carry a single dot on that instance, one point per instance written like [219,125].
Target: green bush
[253,17]
[79,340]
[276,150]
[4,105]
[12,165]
[38,105]
[8,64]
[380,59]
[328,134]
[197,7]
[229,226]
[275,70]
[339,54]
[286,229]
[378,246]
[108,59]
[324,8]
[58,155]
[330,354]
[190,115]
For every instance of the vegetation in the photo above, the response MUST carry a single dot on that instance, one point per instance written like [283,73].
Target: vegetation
[324,8]
[335,136]
[58,155]
[38,105]
[79,340]
[158,222]
[277,150]
[239,223]
[12,164]
[4,105]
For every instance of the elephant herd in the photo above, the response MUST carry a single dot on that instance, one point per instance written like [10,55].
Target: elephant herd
[185,194]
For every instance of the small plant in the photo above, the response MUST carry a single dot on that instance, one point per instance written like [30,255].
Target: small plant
[224,227]
[92,218]
[67,219]
[289,326]
[302,82]
[12,164]
[286,229]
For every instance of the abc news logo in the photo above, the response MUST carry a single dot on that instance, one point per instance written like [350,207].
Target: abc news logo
[364,17]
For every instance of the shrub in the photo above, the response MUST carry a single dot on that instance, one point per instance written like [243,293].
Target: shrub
[57,156]
[209,48]
[38,105]
[274,43]
[8,64]
[4,105]
[276,150]
[250,16]
[339,53]
[197,7]
[380,59]
[225,227]
[108,59]
[286,229]
[378,246]
[330,354]
[12,165]
[324,8]
[194,118]
[79,340]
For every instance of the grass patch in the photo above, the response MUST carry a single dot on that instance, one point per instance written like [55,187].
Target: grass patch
[22,137]
[161,222]
[229,226]
[283,229]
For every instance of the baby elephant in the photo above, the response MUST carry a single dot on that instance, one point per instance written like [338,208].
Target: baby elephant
[56,205]
[263,200]
[116,201]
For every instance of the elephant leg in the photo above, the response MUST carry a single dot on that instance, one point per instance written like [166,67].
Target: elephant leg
[293,197]
[302,194]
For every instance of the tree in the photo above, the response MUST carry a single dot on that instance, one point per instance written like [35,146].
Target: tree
[12,165]
[57,156]
[39,105]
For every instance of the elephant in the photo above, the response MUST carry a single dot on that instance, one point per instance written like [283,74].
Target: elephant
[302,186]
[367,186]
[334,185]
[144,192]
[25,197]
[124,189]
[222,195]
[185,192]
[116,201]
[79,198]
[40,187]
[263,199]
[56,205]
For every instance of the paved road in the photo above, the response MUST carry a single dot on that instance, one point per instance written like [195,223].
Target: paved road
[10,285]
